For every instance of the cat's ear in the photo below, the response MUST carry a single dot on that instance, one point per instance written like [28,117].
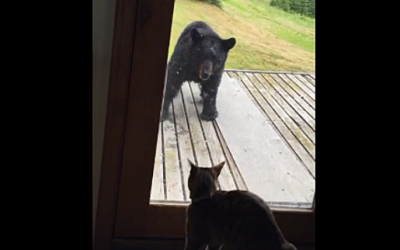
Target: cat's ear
[218,168]
[193,167]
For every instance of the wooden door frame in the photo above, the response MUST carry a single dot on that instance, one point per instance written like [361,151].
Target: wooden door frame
[138,23]
[117,103]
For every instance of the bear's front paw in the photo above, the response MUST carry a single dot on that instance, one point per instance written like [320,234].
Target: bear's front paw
[209,116]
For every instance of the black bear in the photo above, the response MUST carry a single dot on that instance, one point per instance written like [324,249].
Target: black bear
[199,56]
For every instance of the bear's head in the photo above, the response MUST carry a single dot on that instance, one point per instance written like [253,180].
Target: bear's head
[209,52]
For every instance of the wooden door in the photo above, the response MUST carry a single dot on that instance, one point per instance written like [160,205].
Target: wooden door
[126,218]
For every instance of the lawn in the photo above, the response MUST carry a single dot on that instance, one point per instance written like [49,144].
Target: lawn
[267,38]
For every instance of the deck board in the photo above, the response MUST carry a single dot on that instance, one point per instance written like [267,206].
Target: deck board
[306,82]
[277,83]
[301,89]
[225,180]
[281,111]
[296,113]
[283,128]
[171,159]
[157,187]
[265,133]
[266,163]
[230,162]
[300,82]
[200,147]
[311,80]
[286,86]
[184,141]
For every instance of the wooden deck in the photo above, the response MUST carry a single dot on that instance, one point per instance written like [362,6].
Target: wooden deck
[265,132]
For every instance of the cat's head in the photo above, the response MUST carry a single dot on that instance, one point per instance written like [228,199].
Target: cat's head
[202,181]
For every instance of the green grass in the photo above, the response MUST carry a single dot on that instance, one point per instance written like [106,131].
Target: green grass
[267,38]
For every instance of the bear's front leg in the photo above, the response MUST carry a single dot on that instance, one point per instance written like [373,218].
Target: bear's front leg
[209,103]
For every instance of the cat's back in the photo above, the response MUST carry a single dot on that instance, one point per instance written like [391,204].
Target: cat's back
[236,201]
[239,218]
[239,199]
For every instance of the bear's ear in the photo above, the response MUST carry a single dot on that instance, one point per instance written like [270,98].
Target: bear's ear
[229,43]
[195,34]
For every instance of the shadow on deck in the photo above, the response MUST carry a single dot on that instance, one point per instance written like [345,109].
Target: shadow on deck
[265,132]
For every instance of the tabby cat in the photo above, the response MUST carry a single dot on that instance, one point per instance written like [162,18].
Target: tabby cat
[237,220]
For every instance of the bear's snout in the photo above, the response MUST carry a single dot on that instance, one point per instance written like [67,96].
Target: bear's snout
[206,70]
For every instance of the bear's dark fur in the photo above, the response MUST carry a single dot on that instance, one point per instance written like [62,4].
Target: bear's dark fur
[199,56]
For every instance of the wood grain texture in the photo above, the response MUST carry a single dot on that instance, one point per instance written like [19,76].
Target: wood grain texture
[144,104]
[117,102]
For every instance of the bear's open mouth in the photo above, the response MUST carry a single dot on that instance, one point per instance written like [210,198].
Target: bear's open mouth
[206,70]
